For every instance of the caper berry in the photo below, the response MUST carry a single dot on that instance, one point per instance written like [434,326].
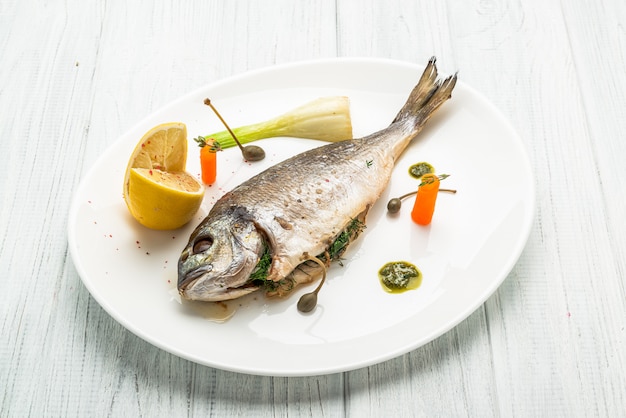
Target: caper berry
[393,206]
[249,153]
[307,302]
[253,153]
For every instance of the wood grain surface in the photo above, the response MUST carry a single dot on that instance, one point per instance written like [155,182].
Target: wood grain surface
[75,75]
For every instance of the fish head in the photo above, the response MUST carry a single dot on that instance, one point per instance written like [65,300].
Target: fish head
[217,262]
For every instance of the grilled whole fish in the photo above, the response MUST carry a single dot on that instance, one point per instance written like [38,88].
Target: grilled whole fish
[297,209]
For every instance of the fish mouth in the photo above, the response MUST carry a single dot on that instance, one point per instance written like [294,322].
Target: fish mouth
[193,287]
[193,275]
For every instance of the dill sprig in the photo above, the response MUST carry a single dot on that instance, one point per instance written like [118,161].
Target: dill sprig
[261,271]
[213,145]
[340,244]
[263,266]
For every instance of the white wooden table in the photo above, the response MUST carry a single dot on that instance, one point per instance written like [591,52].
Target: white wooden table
[74,75]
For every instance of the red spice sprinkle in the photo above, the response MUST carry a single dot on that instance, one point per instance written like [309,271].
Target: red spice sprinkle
[110,236]
[89,201]
[150,172]
[136,242]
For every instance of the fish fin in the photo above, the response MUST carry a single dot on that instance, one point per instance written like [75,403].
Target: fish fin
[426,97]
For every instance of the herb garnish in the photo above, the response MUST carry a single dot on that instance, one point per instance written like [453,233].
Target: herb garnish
[419,169]
[259,275]
[340,244]
[213,145]
[431,179]
[334,253]
[263,266]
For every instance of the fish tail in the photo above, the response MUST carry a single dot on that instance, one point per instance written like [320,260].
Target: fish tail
[426,97]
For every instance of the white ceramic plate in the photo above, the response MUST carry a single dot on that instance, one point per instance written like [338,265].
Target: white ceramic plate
[471,246]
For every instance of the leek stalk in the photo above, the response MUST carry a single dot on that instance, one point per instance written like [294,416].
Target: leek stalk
[325,119]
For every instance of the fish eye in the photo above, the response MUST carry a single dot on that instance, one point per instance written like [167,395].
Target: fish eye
[202,245]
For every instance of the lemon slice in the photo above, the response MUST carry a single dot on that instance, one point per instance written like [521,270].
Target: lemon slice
[157,190]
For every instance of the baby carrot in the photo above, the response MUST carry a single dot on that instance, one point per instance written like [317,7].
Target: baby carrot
[208,158]
[424,205]
[208,165]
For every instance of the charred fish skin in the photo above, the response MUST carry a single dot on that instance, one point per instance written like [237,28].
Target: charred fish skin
[299,206]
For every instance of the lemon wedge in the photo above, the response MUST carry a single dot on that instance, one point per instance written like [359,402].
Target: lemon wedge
[158,192]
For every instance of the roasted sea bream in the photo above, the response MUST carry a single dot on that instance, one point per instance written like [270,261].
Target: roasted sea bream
[282,227]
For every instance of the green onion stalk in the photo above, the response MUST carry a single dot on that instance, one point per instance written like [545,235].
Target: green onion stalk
[324,119]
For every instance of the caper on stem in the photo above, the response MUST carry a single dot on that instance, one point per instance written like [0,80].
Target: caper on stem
[249,152]
[394,204]
[308,301]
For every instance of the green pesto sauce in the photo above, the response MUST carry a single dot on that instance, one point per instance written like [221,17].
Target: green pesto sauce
[399,276]
[419,169]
